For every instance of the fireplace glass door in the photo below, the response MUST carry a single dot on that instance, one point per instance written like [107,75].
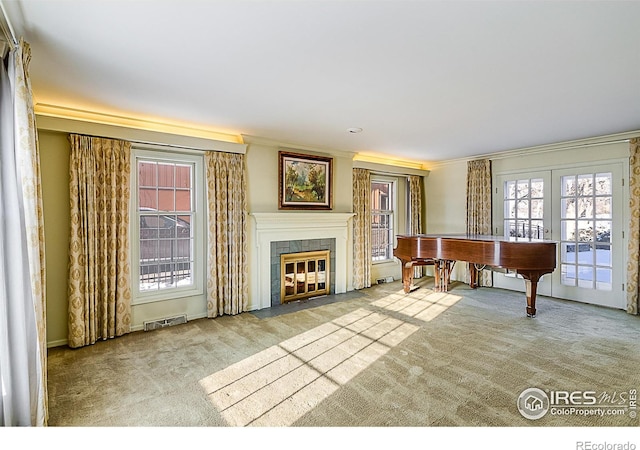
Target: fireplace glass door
[304,275]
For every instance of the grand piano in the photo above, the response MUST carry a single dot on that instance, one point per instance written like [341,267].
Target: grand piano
[531,258]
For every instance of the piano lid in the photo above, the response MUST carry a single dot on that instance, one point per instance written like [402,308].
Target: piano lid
[476,237]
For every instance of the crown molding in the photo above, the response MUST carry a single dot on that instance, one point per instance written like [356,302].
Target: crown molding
[386,160]
[63,112]
[547,148]
[259,140]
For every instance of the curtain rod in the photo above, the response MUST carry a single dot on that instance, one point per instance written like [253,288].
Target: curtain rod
[7,29]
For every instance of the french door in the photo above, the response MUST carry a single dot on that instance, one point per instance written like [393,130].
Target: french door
[583,210]
[524,212]
[589,224]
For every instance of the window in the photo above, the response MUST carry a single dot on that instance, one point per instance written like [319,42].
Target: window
[168,222]
[382,220]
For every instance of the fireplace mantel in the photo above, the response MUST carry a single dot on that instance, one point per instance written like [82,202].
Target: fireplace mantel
[306,220]
[287,226]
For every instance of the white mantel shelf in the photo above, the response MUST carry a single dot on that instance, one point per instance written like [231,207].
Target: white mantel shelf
[290,226]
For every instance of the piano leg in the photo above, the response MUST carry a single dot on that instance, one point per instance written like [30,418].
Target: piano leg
[437,275]
[442,272]
[532,287]
[473,276]
[407,275]
[531,279]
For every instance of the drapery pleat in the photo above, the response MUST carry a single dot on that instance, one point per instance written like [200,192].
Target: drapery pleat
[633,262]
[99,261]
[415,213]
[479,205]
[23,363]
[361,229]
[227,284]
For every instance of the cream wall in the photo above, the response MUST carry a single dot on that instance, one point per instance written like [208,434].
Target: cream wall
[54,162]
[446,198]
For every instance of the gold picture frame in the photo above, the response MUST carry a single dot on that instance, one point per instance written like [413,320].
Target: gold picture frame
[305,181]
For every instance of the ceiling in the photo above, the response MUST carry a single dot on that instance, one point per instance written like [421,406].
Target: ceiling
[425,80]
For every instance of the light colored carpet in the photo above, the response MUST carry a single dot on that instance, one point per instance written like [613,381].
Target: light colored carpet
[377,358]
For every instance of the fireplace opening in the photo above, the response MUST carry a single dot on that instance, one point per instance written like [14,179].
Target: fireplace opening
[304,275]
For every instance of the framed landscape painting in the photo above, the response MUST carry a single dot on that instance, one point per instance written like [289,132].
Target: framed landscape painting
[305,181]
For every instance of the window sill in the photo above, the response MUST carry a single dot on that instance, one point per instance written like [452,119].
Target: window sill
[147,297]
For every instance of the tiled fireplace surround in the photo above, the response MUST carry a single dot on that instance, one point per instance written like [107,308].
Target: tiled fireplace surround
[288,232]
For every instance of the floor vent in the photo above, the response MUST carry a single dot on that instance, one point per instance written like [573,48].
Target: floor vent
[385,280]
[162,323]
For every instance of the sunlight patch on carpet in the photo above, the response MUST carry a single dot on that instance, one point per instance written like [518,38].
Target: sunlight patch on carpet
[279,385]
[425,305]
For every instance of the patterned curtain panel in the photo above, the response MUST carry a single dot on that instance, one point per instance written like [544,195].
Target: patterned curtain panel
[479,205]
[99,270]
[23,351]
[633,264]
[361,229]
[415,213]
[227,284]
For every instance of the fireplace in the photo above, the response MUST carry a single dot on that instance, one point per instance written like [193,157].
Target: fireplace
[293,232]
[304,275]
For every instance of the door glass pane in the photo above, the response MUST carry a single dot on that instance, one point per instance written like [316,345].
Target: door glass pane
[585,273]
[523,209]
[603,207]
[585,231]
[568,230]
[536,209]
[568,253]
[568,186]
[585,207]
[537,229]
[522,228]
[603,183]
[585,184]
[568,210]
[603,255]
[603,279]
[537,188]
[568,273]
[603,231]
[585,254]
[510,209]
[510,190]
[523,189]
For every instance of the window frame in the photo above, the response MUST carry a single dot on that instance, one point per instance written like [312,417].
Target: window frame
[175,156]
[393,219]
